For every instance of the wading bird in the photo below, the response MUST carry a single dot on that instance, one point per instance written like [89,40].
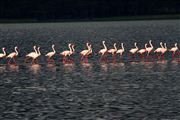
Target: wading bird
[174,50]
[163,51]
[103,51]
[83,53]
[66,53]
[32,55]
[2,55]
[113,51]
[13,55]
[149,50]
[159,50]
[142,51]
[49,55]
[120,51]
[133,50]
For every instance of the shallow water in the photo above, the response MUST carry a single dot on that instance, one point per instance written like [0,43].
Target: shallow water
[128,90]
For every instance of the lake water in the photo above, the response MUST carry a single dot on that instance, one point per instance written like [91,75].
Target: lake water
[128,90]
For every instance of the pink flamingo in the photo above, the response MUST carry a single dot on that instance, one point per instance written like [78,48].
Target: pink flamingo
[121,51]
[113,51]
[142,51]
[164,50]
[66,53]
[84,52]
[173,50]
[3,54]
[89,52]
[149,49]
[103,51]
[13,55]
[49,55]
[133,50]
[32,55]
[159,50]
[72,52]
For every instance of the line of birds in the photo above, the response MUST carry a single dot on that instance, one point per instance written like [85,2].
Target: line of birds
[147,50]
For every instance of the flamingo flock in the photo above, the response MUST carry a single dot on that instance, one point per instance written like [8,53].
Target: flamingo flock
[144,53]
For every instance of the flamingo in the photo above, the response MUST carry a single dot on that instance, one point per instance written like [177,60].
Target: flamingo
[134,50]
[121,51]
[49,55]
[32,55]
[149,49]
[113,51]
[103,51]
[37,55]
[164,50]
[89,52]
[159,50]
[142,51]
[13,55]
[66,53]
[84,52]
[3,54]
[173,50]
[72,52]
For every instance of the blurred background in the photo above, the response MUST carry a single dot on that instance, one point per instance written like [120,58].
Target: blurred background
[64,10]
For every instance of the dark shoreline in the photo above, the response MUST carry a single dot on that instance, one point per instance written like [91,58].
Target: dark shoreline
[121,18]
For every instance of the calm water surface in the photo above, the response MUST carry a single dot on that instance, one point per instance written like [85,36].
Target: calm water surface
[95,91]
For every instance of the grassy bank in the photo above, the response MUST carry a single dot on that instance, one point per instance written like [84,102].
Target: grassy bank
[120,18]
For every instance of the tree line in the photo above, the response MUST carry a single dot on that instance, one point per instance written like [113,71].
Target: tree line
[82,9]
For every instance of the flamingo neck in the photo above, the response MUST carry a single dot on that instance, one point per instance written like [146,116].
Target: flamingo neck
[87,44]
[104,45]
[122,45]
[73,50]
[16,51]
[161,46]
[89,48]
[145,46]
[115,47]
[53,49]
[150,44]
[136,46]
[39,53]
[165,46]
[4,51]
[35,50]
[70,48]
[176,45]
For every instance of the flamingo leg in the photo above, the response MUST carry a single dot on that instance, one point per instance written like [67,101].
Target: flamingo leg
[9,61]
[129,56]
[152,57]
[36,61]
[82,58]
[32,62]
[163,56]
[101,58]
[48,59]
[114,58]
[140,55]
[134,57]
[86,59]
[63,59]
[14,60]
[105,57]
[121,57]
[157,55]
[173,56]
